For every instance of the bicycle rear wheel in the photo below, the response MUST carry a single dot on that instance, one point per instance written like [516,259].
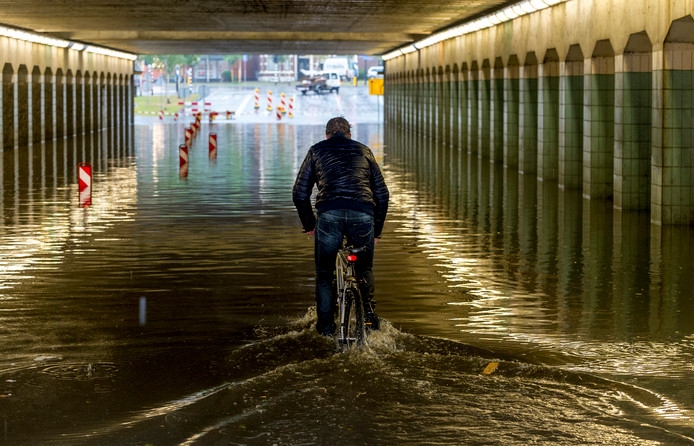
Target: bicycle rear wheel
[354,317]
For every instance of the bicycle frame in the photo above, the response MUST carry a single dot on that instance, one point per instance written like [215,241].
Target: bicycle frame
[348,296]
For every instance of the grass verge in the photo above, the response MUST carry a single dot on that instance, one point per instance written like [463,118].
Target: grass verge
[150,105]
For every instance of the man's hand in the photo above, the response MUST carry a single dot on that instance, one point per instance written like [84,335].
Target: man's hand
[311,232]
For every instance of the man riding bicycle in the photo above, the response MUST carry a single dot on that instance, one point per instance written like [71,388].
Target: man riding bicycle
[352,202]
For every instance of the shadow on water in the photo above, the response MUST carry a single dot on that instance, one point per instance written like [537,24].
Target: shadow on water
[173,310]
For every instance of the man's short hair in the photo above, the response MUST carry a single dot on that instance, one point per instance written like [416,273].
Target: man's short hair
[338,125]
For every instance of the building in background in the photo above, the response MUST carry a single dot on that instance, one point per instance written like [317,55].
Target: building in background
[227,68]
[277,68]
[272,67]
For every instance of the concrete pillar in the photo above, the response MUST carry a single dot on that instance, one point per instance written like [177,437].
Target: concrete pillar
[436,137]
[484,123]
[48,105]
[129,106]
[79,103]
[497,113]
[548,118]
[408,92]
[672,196]
[449,148]
[434,106]
[37,101]
[109,111]
[428,104]
[119,110]
[598,130]
[418,100]
[88,102]
[409,97]
[412,93]
[410,110]
[527,156]
[97,99]
[8,107]
[429,118]
[447,105]
[455,108]
[422,107]
[633,110]
[571,121]
[116,128]
[60,104]
[70,105]
[511,112]
[473,110]
[410,135]
[413,112]
[406,110]
[22,106]
[413,101]
[439,134]
[99,89]
[463,110]
[403,117]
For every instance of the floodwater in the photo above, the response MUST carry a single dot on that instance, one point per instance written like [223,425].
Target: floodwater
[178,309]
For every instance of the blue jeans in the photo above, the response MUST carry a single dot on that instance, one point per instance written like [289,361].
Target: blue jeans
[331,227]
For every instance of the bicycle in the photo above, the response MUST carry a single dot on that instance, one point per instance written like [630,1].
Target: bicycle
[350,306]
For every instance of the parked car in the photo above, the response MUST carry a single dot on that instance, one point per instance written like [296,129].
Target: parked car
[374,72]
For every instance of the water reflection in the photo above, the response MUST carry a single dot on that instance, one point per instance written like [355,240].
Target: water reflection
[477,264]
[39,193]
[534,267]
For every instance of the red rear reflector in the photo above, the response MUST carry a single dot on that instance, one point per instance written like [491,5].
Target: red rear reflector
[352,258]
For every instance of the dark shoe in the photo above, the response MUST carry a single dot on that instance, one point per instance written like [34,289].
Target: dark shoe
[326,331]
[371,320]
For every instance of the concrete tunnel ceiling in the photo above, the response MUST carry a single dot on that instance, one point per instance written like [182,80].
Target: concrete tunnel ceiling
[369,27]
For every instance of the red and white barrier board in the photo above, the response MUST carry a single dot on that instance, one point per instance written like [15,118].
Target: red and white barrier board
[213,145]
[183,160]
[84,178]
[188,132]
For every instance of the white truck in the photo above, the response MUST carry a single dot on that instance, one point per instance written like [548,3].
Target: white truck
[340,65]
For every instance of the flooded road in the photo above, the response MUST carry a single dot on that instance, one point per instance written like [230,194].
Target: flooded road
[179,309]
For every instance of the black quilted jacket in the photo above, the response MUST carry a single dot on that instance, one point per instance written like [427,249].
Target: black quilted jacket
[347,176]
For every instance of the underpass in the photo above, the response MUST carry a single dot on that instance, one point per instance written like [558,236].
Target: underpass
[539,162]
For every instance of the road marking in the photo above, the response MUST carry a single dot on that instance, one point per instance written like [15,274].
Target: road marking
[245,102]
